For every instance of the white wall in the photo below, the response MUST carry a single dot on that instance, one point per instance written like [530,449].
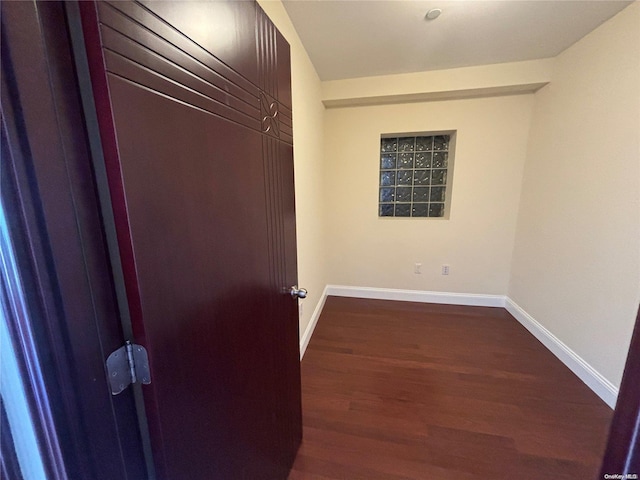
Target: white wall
[576,263]
[308,159]
[476,241]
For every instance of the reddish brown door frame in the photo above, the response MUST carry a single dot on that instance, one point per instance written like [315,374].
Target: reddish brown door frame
[49,192]
[622,456]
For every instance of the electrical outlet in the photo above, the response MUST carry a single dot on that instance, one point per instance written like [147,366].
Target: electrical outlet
[445,269]
[417,268]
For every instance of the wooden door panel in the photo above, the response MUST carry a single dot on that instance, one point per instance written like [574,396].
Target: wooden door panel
[288,210]
[274,80]
[142,48]
[197,140]
[202,275]
[278,160]
[225,29]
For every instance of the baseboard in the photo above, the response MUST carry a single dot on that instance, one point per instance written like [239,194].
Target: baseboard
[471,299]
[585,372]
[306,337]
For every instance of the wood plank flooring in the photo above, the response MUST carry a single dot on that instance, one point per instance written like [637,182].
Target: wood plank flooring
[399,390]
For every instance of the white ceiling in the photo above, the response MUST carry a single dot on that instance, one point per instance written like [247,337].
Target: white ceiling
[361,38]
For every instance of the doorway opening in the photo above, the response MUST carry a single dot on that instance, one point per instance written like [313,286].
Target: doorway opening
[27,442]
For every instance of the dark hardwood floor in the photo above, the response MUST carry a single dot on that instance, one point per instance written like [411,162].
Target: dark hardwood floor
[398,390]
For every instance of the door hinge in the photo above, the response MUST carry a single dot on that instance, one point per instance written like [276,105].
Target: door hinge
[126,365]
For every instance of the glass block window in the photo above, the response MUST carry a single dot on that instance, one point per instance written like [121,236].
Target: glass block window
[413,175]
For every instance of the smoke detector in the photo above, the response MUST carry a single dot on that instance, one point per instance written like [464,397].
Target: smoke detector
[433,13]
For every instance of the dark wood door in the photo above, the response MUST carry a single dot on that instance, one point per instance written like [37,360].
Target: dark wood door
[194,109]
